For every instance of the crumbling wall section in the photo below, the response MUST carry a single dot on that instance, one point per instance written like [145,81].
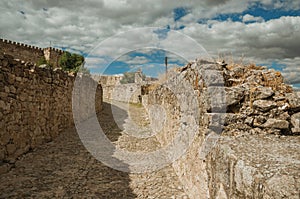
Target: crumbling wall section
[240,107]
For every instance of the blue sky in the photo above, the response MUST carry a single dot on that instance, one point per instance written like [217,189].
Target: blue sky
[264,32]
[151,61]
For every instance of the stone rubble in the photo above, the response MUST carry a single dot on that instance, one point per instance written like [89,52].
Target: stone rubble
[267,102]
[245,104]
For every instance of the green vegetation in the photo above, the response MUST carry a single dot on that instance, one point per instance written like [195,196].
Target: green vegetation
[42,61]
[73,63]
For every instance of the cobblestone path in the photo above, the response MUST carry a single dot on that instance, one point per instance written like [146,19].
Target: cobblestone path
[63,168]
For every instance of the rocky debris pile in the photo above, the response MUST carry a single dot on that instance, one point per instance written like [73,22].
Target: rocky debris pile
[258,101]
[235,101]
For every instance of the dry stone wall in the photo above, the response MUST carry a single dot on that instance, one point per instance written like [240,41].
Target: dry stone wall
[239,108]
[36,105]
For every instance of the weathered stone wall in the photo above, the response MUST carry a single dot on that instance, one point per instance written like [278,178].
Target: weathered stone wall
[250,107]
[108,83]
[114,90]
[108,80]
[255,167]
[21,51]
[36,105]
[129,93]
[30,53]
[183,92]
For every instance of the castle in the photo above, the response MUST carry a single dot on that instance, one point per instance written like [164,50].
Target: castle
[30,53]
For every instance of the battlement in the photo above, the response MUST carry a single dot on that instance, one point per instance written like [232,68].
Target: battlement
[55,50]
[29,46]
[30,53]
[20,44]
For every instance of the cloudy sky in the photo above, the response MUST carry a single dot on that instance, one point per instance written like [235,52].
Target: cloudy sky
[113,34]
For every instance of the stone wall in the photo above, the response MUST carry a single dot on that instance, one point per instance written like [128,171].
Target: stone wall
[21,51]
[129,93]
[30,53]
[36,105]
[114,90]
[247,127]
[255,167]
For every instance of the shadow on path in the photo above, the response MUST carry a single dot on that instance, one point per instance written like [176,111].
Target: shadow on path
[64,168]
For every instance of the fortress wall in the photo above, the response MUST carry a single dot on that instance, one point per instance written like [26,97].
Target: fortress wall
[30,53]
[21,51]
[36,105]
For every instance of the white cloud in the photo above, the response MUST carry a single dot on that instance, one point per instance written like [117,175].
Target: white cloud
[82,26]
[250,18]
[137,60]
[276,38]
[94,62]
[292,71]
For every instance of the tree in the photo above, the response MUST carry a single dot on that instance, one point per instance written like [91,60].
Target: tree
[72,62]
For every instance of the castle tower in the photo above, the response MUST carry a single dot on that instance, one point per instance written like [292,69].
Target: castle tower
[138,77]
[47,52]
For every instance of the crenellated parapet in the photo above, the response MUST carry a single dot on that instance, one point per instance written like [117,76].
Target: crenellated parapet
[30,53]
[17,44]
[55,50]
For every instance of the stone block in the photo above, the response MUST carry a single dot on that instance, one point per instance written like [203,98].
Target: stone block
[296,130]
[293,100]
[255,167]
[295,120]
[276,124]
[262,93]
[213,77]
[4,168]
[264,105]
[11,78]
[234,95]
